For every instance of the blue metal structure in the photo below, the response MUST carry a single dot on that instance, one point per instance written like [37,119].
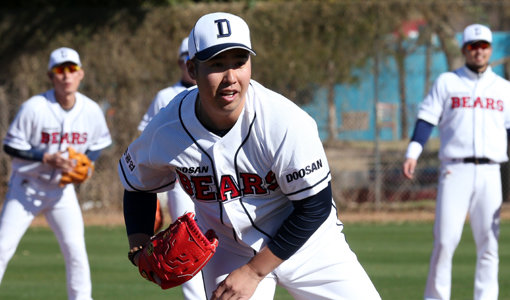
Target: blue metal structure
[355,102]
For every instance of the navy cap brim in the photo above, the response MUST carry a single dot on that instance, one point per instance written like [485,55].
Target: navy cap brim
[475,41]
[210,52]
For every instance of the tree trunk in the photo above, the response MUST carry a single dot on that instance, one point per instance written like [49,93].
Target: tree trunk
[332,120]
[400,59]
[439,22]
[5,162]
[451,49]
[428,64]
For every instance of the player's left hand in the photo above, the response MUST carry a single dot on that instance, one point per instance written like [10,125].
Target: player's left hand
[58,161]
[239,285]
[409,167]
[176,254]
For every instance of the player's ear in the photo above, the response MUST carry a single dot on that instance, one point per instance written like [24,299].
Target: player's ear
[50,75]
[81,73]
[463,50]
[192,69]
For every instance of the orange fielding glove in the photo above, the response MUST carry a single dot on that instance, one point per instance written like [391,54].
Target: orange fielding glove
[83,168]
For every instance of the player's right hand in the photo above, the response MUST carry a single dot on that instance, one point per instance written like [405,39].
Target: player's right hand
[408,167]
[240,284]
[57,161]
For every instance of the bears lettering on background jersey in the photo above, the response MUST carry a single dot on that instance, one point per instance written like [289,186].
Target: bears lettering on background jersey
[56,137]
[479,102]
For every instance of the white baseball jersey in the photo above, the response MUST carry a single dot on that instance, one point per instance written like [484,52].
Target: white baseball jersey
[242,183]
[43,124]
[472,112]
[160,100]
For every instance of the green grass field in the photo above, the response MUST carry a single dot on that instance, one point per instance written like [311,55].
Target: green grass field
[394,255]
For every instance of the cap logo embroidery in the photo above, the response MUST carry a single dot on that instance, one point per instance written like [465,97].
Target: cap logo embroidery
[223,28]
[478,31]
[63,53]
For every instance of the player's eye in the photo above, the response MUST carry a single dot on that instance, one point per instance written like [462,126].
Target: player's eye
[217,65]
[62,69]
[477,45]
[241,62]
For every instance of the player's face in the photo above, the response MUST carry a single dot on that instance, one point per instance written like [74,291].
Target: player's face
[66,78]
[222,84]
[477,55]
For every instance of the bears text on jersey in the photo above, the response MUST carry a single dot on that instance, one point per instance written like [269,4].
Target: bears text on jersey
[202,187]
[487,103]
[75,138]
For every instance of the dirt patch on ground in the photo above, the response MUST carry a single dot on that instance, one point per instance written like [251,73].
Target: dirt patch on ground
[386,215]
[91,219]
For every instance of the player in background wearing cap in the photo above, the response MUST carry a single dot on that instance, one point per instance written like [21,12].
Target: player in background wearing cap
[238,150]
[178,202]
[37,140]
[165,95]
[471,107]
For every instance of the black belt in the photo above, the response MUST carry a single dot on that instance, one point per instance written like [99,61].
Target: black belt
[476,160]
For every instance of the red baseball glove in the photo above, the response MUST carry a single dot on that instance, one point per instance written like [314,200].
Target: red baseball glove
[177,253]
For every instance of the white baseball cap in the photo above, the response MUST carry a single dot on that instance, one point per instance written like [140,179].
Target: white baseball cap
[183,49]
[476,32]
[62,55]
[217,32]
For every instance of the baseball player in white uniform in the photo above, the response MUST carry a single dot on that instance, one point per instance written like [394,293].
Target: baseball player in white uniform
[37,140]
[165,95]
[255,167]
[178,202]
[471,107]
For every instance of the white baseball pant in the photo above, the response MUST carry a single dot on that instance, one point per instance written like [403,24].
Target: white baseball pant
[323,270]
[24,200]
[466,188]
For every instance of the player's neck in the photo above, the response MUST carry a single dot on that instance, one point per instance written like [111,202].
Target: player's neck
[219,125]
[477,69]
[187,84]
[66,101]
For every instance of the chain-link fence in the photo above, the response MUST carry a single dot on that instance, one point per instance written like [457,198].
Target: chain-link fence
[365,175]
[362,172]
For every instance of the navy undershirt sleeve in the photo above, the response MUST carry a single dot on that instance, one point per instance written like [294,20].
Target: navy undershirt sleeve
[37,155]
[139,212]
[93,155]
[307,217]
[422,131]
[508,133]
[31,154]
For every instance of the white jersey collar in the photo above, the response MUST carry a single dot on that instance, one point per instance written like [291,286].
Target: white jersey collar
[473,76]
